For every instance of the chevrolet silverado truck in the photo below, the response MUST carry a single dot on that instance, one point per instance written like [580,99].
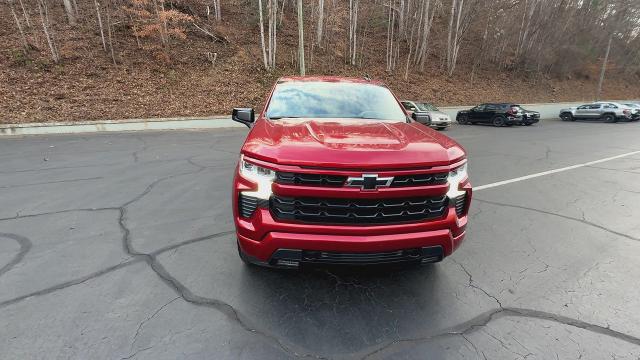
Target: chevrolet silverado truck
[334,171]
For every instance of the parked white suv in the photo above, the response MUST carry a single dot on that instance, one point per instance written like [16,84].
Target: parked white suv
[439,120]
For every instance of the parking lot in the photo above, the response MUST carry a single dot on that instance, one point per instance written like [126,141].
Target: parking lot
[121,246]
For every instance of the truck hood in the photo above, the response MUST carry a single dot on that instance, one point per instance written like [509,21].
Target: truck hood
[350,143]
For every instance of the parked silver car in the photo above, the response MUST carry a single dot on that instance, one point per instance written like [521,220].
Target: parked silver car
[439,120]
[635,110]
[607,111]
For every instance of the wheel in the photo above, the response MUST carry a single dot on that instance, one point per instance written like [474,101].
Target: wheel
[441,128]
[566,117]
[498,121]
[463,119]
[608,118]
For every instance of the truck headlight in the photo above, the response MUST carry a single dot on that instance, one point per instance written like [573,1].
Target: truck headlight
[455,177]
[262,176]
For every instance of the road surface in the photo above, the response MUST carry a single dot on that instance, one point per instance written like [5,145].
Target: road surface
[121,246]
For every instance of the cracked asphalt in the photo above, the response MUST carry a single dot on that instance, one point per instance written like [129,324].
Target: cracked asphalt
[121,246]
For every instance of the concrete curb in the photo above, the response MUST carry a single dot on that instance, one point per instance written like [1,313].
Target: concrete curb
[213,122]
[547,111]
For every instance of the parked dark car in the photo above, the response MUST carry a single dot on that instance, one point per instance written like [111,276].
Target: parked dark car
[498,114]
[529,116]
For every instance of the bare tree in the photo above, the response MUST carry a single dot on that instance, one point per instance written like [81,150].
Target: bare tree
[70,11]
[23,38]
[461,12]
[216,10]
[104,45]
[272,7]
[44,17]
[428,10]
[353,31]
[301,39]
[320,25]
[113,56]
[264,49]
[604,68]
[391,35]
[25,14]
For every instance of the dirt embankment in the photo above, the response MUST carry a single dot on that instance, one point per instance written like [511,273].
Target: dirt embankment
[86,85]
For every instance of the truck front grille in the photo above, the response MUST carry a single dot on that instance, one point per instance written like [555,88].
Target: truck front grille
[325,180]
[358,211]
[310,179]
[420,180]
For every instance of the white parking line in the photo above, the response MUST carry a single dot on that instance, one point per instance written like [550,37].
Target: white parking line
[549,172]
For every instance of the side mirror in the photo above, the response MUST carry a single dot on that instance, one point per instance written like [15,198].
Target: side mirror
[422,118]
[244,116]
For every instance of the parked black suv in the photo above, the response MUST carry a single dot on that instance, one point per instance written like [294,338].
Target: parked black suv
[498,114]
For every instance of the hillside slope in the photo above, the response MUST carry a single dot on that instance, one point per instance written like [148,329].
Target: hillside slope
[86,85]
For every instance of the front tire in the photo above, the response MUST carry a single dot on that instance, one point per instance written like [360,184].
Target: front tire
[463,120]
[566,117]
[441,128]
[499,121]
[608,118]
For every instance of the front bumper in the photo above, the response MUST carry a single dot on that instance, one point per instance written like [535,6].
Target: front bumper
[527,119]
[440,123]
[513,120]
[263,240]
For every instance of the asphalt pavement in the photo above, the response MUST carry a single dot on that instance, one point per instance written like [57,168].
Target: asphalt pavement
[121,246]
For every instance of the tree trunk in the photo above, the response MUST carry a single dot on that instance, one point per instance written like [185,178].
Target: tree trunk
[113,56]
[216,9]
[42,8]
[301,38]
[320,22]
[24,13]
[104,45]
[604,68]
[23,38]
[68,9]
[264,50]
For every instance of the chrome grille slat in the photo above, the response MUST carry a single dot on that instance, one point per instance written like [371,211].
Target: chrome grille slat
[460,204]
[358,211]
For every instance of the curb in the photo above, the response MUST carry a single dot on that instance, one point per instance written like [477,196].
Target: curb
[213,122]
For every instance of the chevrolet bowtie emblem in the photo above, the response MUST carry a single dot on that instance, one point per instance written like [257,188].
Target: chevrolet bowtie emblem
[370,181]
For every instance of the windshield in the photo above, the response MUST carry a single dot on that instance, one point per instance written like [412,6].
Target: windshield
[426,107]
[333,100]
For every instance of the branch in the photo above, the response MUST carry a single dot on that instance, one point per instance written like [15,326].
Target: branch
[217,38]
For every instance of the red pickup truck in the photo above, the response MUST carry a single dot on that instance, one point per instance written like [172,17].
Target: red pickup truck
[334,171]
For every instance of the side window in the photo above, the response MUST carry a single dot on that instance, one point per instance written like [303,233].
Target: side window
[583,107]
[610,106]
[595,106]
[480,107]
[491,107]
[407,105]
